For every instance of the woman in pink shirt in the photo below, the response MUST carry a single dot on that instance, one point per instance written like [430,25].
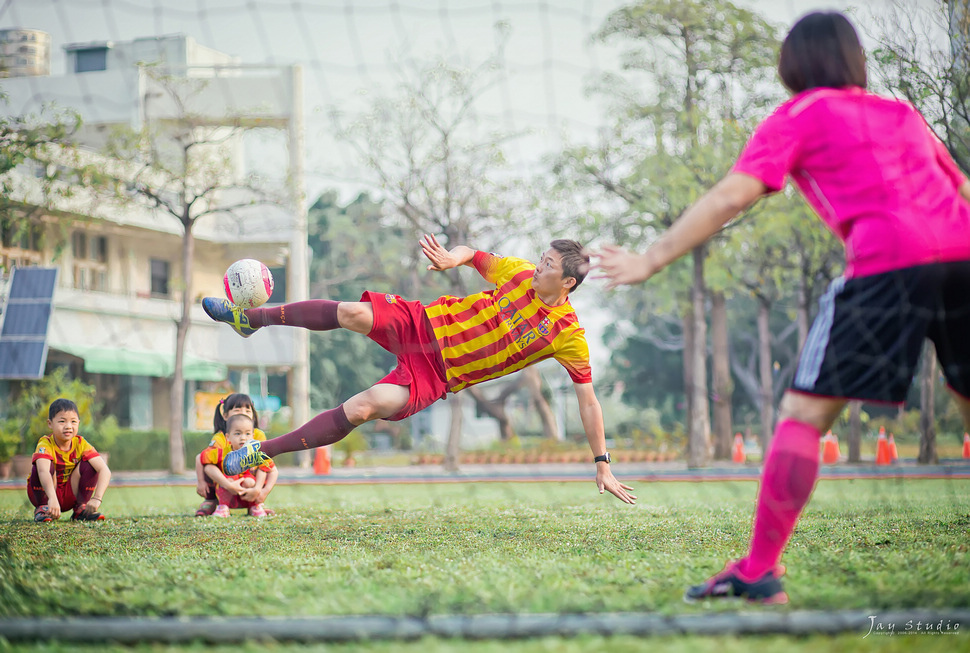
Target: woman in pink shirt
[881,180]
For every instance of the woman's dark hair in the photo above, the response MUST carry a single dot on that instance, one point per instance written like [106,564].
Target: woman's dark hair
[822,49]
[235,400]
[61,406]
[575,260]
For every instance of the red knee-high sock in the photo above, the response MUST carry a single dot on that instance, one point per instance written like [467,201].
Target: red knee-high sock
[314,314]
[787,481]
[326,428]
[35,491]
[87,483]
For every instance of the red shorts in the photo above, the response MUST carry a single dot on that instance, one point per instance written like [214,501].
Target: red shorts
[402,328]
[63,492]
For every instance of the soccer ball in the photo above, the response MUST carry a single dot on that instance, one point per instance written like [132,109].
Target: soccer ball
[248,283]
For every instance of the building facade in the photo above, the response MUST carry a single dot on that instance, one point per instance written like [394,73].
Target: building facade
[24,52]
[120,283]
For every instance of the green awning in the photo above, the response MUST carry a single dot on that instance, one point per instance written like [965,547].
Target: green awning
[108,360]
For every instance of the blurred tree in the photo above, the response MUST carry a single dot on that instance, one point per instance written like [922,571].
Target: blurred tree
[41,141]
[440,169]
[779,254]
[27,412]
[354,249]
[913,62]
[181,165]
[695,78]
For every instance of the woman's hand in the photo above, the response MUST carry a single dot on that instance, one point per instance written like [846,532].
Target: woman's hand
[620,267]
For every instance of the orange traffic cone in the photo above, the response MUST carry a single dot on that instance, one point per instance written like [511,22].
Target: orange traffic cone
[737,451]
[882,448]
[321,461]
[966,445]
[893,454]
[830,449]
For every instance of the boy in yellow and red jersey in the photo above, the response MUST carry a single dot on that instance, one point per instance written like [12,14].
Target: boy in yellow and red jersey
[67,473]
[248,489]
[446,346]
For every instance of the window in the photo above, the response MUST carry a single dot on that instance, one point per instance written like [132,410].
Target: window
[90,261]
[79,244]
[98,249]
[16,232]
[90,60]
[279,286]
[20,242]
[160,274]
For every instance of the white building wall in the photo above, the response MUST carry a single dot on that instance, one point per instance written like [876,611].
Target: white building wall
[124,315]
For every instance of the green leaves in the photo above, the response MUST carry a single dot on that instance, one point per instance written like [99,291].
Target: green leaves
[914,59]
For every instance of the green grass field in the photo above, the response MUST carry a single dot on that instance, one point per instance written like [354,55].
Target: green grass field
[485,548]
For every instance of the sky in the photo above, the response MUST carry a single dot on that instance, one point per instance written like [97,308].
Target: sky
[352,49]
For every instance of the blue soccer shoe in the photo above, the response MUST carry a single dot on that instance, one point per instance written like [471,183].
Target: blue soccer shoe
[222,310]
[245,457]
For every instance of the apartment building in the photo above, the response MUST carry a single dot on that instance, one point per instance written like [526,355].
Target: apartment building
[120,284]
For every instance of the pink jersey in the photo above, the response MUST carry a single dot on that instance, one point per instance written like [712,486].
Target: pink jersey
[874,172]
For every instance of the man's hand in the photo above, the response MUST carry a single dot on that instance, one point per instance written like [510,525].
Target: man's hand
[441,259]
[55,508]
[622,267]
[605,481]
[200,488]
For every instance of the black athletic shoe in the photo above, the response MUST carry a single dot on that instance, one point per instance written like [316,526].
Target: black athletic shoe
[43,513]
[767,590]
[86,513]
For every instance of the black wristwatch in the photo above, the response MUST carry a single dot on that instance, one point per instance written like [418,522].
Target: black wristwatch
[605,458]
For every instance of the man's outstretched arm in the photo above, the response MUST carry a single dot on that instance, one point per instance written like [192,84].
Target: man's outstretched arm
[443,259]
[592,415]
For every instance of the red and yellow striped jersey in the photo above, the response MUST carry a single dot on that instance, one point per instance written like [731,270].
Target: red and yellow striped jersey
[64,461]
[497,332]
[214,453]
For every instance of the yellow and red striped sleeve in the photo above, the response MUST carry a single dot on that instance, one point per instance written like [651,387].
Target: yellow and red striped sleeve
[83,449]
[44,449]
[574,355]
[211,456]
[494,333]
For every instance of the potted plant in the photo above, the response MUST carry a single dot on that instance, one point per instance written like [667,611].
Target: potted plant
[28,413]
[9,442]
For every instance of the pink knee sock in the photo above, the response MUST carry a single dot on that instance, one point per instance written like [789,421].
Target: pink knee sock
[787,481]
[326,428]
[314,314]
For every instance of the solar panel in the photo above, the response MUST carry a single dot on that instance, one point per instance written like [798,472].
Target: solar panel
[33,284]
[26,317]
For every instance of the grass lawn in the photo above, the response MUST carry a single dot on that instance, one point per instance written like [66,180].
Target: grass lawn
[489,547]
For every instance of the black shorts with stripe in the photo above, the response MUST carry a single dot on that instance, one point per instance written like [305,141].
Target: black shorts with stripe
[866,340]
